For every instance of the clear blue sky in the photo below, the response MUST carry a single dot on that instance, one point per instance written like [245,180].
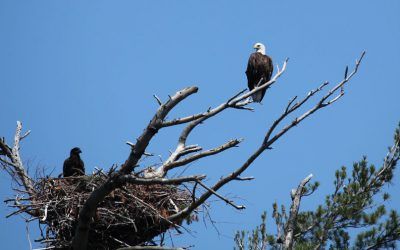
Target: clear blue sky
[82,73]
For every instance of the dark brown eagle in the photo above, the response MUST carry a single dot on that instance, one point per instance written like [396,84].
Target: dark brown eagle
[74,166]
[259,70]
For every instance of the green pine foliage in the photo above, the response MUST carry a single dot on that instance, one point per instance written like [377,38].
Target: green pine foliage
[357,202]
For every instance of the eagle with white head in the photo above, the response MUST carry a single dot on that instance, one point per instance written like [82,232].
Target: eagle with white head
[259,71]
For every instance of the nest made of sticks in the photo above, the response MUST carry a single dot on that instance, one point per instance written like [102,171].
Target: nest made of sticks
[129,216]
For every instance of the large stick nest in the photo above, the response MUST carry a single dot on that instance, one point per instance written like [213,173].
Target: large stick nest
[129,216]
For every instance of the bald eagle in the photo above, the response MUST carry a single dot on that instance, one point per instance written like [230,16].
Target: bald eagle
[259,70]
[73,166]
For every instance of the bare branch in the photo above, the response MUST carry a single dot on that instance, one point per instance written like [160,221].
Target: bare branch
[289,109]
[238,94]
[185,212]
[245,178]
[267,143]
[158,100]
[190,118]
[25,135]
[8,163]
[143,181]
[14,161]
[178,121]
[190,149]
[238,101]
[294,209]
[133,146]
[319,105]
[153,127]
[162,171]
[221,197]
[290,104]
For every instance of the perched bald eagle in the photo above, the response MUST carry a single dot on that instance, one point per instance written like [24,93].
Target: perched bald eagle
[259,67]
[73,166]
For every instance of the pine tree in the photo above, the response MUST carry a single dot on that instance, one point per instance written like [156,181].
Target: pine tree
[357,201]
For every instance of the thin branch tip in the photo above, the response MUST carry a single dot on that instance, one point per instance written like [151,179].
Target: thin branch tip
[157,99]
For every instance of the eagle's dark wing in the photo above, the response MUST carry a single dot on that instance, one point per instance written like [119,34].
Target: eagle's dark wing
[67,168]
[252,71]
[270,68]
[259,67]
[73,166]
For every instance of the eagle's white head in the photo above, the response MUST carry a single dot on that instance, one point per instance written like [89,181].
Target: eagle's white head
[260,48]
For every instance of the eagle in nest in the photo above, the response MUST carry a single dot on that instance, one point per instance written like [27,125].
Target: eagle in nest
[74,166]
[259,71]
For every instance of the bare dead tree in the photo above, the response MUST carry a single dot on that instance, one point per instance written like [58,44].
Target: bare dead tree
[294,209]
[181,156]
[12,163]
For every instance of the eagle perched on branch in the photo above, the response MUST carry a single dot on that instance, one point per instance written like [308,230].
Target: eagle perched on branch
[74,166]
[259,71]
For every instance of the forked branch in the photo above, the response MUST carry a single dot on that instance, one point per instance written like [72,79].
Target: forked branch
[11,160]
[267,142]
[238,101]
[153,127]
[294,209]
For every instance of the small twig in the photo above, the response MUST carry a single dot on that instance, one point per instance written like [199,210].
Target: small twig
[189,149]
[45,248]
[245,178]
[119,241]
[144,181]
[45,213]
[158,99]
[182,120]
[290,103]
[239,207]
[238,94]
[185,161]
[25,135]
